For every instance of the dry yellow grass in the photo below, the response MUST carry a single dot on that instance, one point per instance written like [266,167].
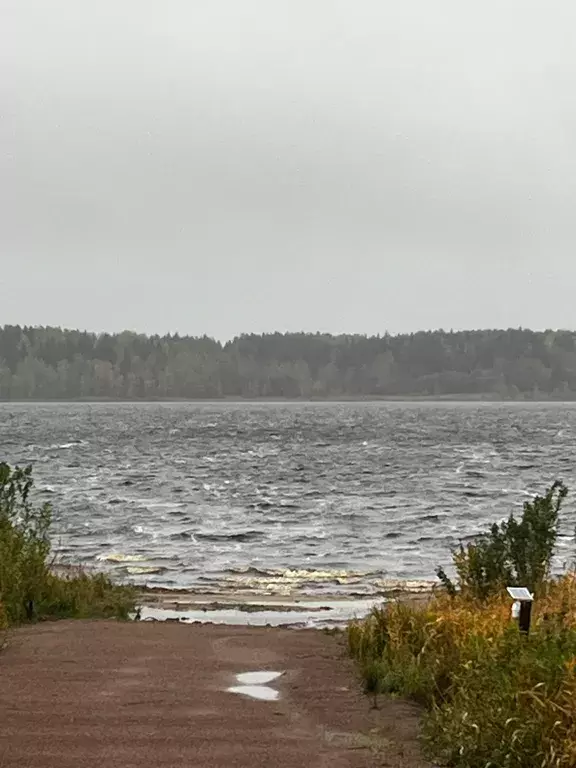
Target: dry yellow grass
[494,697]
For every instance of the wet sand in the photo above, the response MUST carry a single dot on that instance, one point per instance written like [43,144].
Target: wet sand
[155,694]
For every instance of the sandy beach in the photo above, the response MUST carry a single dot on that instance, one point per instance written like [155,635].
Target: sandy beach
[138,694]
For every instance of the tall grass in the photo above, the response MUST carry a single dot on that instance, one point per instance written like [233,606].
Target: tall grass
[29,589]
[492,696]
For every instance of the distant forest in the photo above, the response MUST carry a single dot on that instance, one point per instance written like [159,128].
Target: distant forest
[51,363]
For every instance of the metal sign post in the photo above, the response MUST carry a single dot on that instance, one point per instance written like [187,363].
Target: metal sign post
[522,608]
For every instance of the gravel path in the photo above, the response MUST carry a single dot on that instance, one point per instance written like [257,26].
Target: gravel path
[154,695]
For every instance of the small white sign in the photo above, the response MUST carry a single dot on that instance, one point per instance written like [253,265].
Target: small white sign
[520,593]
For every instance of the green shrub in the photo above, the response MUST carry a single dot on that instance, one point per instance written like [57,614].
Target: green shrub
[24,544]
[81,595]
[514,553]
[28,588]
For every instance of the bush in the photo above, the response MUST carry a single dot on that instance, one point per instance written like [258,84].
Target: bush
[514,553]
[494,698]
[81,595]
[28,588]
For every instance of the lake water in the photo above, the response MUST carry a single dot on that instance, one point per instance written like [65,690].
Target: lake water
[275,498]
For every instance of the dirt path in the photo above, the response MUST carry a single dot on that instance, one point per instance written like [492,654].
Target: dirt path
[153,695]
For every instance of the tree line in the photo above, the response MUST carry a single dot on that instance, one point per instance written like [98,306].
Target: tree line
[52,363]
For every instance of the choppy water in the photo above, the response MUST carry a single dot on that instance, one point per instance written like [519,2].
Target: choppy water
[321,498]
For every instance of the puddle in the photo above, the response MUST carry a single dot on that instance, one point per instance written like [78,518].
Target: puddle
[254,685]
[262,692]
[306,614]
[257,678]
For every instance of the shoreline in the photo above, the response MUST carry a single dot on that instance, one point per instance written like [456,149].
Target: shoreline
[250,599]
[462,398]
[186,596]
[243,609]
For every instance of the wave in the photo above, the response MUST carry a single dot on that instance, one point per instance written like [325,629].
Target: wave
[65,446]
[309,541]
[249,570]
[120,557]
[312,581]
[141,570]
[336,575]
[480,494]
[182,536]
[241,536]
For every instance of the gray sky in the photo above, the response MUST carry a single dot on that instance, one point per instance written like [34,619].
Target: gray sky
[221,166]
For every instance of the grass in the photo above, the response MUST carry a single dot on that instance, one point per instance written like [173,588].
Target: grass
[493,698]
[29,589]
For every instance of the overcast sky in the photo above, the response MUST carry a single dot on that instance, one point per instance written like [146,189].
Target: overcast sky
[224,166]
